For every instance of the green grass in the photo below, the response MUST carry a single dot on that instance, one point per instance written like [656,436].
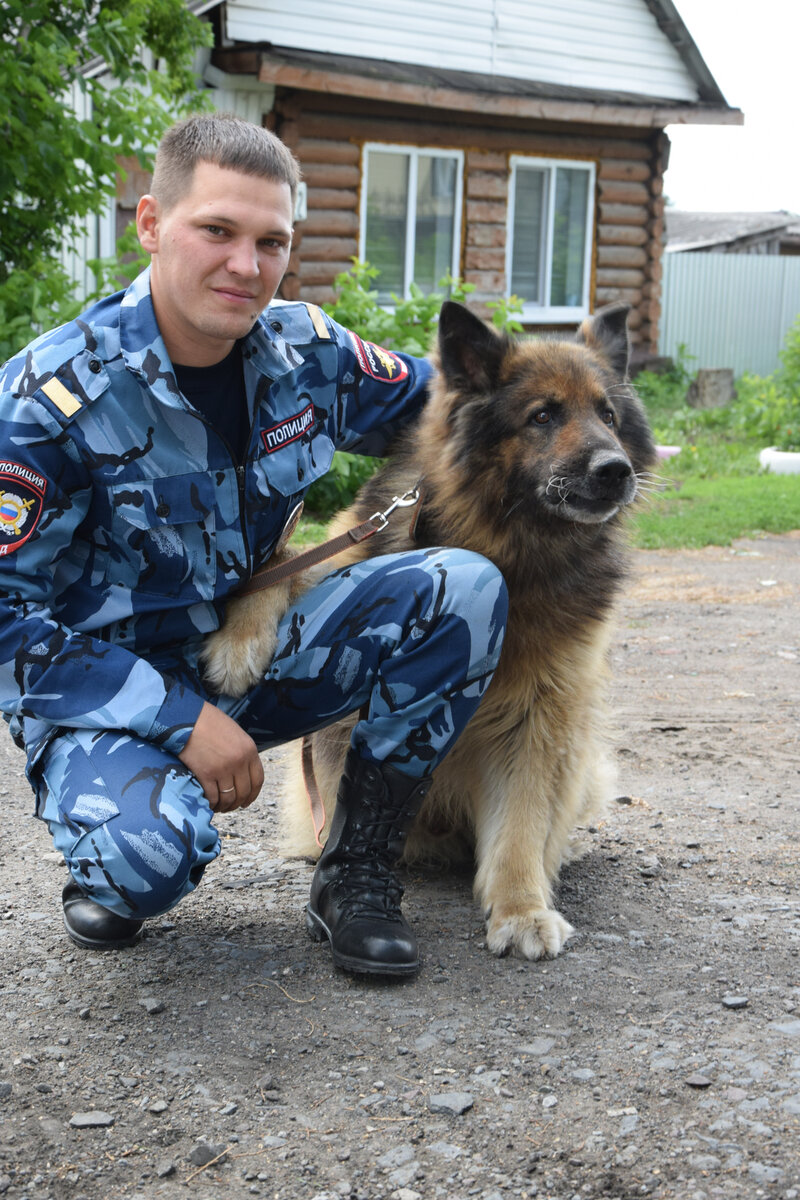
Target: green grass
[714,511]
[715,491]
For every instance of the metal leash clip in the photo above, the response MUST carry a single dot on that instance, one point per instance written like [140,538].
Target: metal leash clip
[407,500]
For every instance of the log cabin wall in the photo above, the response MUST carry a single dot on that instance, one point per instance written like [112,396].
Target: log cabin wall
[327,134]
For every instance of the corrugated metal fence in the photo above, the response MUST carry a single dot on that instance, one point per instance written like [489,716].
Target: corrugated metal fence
[729,310]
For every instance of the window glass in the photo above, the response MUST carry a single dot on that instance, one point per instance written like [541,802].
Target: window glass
[385,241]
[435,224]
[411,218]
[550,238]
[569,238]
[530,215]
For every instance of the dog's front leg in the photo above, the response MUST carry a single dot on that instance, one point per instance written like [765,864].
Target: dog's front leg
[512,882]
[237,655]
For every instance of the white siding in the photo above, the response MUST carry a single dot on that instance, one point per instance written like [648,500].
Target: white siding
[239,94]
[601,44]
[93,237]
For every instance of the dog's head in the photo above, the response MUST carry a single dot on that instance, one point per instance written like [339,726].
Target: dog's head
[550,427]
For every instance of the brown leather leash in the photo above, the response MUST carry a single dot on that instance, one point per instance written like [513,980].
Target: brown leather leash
[317,554]
[301,562]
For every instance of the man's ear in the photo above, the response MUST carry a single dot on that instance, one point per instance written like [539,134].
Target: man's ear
[148,213]
[607,333]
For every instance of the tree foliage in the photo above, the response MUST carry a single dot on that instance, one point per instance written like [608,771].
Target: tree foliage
[58,166]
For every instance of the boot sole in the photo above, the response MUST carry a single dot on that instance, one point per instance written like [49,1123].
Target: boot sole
[319,931]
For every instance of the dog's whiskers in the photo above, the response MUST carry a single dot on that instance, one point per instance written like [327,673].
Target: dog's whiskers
[514,506]
[558,483]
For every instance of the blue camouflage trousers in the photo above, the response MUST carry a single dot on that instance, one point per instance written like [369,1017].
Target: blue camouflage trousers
[410,639]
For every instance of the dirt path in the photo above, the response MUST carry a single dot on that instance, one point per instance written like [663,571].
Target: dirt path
[659,1056]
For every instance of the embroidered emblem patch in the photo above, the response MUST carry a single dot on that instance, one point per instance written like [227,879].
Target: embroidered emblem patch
[21,501]
[288,431]
[379,363]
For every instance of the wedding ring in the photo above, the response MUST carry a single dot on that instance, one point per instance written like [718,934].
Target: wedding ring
[222,791]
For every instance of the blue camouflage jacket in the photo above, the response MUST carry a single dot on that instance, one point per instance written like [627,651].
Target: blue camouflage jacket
[124,518]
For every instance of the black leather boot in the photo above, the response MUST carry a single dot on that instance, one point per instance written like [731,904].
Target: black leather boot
[355,898]
[94,927]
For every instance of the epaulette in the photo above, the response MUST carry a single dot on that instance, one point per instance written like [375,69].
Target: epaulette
[76,383]
[297,322]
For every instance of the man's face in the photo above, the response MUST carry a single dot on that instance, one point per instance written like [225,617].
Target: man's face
[217,258]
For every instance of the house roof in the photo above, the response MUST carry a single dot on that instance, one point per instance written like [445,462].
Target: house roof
[465,90]
[702,230]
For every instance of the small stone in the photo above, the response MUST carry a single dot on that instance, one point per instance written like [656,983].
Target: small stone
[165,1169]
[455,1103]
[229,1109]
[446,1150]
[735,1001]
[405,1193]
[5,1089]
[203,1154]
[158,1106]
[549,1101]
[152,1006]
[538,1048]
[650,866]
[84,1013]
[5,1183]
[698,1081]
[763,1174]
[399,1156]
[91,1120]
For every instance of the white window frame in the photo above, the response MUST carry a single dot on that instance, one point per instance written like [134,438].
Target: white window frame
[414,153]
[544,313]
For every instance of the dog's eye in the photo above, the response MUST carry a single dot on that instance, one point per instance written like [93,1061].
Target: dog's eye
[607,416]
[541,416]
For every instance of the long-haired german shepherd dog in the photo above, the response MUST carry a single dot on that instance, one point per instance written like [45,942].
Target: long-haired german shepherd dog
[530,451]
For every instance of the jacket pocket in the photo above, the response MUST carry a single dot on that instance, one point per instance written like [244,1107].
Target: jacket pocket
[292,463]
[163,536]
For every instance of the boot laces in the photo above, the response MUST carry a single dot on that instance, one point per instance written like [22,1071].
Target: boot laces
[370,891]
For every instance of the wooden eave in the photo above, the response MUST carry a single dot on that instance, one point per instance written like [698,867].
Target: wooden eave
[378,80]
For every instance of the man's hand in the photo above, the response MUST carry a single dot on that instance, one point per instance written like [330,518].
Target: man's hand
[224,760]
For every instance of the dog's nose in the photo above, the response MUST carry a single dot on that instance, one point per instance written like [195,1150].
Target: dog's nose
[610,471]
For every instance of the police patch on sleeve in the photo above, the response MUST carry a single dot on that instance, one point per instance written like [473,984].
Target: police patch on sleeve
[378,363]
[22,494]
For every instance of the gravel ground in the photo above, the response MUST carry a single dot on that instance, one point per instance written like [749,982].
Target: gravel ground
[658,1056]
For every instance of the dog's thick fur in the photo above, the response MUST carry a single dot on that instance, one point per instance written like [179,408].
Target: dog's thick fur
[530,451]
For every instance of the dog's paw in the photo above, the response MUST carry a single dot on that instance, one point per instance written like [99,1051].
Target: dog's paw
[230,666]
[537,933]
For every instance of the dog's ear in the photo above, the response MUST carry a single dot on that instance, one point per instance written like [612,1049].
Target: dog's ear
[470,352]
[607,333]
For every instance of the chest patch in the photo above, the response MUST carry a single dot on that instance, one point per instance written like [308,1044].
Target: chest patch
[379,363]
[288,431]
[22,494]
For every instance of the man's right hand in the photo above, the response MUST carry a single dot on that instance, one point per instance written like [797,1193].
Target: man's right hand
[224,760]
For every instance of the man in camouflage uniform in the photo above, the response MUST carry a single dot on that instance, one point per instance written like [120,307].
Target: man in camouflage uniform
[152,452]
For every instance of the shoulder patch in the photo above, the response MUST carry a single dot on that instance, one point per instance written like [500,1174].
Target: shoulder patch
[22,493]
[379,363]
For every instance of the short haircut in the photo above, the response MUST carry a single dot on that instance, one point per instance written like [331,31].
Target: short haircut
[226,141]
